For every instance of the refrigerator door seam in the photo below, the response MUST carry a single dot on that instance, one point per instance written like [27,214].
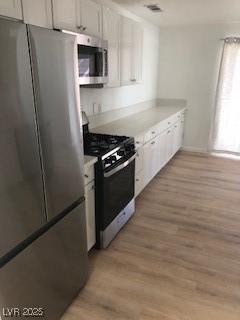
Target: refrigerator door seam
[24,244]
[37,127]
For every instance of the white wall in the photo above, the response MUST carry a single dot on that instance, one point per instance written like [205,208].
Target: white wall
[112,98]
[189,60]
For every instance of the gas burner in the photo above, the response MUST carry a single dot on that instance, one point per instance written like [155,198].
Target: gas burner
[112,140]
[100,144]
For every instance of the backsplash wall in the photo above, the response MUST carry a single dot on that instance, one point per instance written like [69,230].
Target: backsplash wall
[114,98]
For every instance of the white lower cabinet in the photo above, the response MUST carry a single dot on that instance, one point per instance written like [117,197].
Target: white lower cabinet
[90,214]
[139,182]
[156,151]
[89,183]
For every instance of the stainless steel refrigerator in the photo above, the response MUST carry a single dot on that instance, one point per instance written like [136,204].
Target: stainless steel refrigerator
[43,247]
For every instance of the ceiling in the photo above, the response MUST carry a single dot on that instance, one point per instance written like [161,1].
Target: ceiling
[185,12]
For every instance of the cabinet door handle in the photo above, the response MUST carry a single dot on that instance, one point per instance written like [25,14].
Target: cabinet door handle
[153,132]
[133,80]
[137,142]
[153,142]
[84,28]
[168,131]
[86,176]
[79,27]
[137,180]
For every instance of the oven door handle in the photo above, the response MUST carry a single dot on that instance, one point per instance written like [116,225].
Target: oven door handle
[123,165]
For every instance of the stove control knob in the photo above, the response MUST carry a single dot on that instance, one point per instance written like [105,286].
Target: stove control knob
[108,161]
[121,152]
[113,159]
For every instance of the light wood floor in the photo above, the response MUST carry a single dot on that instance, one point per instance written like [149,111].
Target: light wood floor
[179,256]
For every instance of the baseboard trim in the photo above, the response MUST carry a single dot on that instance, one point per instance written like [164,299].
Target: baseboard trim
[192,149]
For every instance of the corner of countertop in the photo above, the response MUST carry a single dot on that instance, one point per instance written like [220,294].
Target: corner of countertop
[89,161]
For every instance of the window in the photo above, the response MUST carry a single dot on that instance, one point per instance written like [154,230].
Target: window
[226,128]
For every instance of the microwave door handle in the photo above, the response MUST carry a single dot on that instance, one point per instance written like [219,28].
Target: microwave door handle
[104,54]
[120,167]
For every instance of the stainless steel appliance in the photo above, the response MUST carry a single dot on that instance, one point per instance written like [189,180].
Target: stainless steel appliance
[43,247]
[114,178]
[92,60]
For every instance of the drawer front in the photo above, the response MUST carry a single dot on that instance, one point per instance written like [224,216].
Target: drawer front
[88,174]
[139,160]
[139,141]
[152,133]
[138,183]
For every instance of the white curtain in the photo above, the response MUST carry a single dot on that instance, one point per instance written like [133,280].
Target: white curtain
[226,128]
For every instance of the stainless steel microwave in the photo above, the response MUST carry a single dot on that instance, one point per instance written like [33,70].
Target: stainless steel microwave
[92,60]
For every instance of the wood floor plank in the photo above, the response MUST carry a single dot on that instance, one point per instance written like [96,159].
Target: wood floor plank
[178,258]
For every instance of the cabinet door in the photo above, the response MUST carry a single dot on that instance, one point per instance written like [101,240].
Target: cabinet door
[126,51]
[176,134]
[162,149]
[138,183]
[151,160]
[90,214]
[131,51]
[180,135]
[66,14]
[147,163]
[91,18]
[139,160]
[111,32]
[169,143]
[137,52]
[11,8]
[155,158]
[37,12]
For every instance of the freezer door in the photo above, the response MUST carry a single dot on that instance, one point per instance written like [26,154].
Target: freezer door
[49,273]
[54,65]
[21,190]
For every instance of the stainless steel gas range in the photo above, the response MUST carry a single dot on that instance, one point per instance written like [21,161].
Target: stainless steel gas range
[114,179]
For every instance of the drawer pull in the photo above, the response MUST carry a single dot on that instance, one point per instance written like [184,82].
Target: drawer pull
[153,132]
[153,142]
[86,176]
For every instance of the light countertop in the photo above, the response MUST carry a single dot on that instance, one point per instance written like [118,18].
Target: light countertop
[89,161]
[138,123]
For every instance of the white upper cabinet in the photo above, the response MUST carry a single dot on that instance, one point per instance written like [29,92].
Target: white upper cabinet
[38,12]
[126,52]
[65,15]
[111,32]
[11,8]
[83,16]
[131,51]
[91,18]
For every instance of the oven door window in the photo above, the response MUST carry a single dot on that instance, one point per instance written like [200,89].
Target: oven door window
[118,192]
[90,61]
